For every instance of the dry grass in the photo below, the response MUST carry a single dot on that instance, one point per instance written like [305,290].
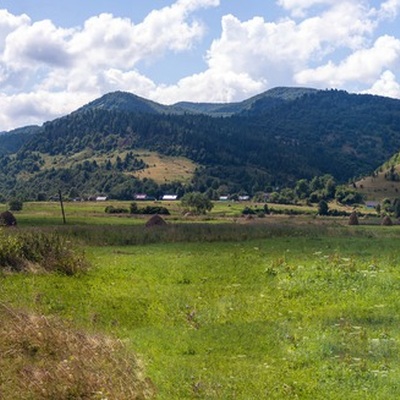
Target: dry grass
[164,169]
[377,188]
[42,358]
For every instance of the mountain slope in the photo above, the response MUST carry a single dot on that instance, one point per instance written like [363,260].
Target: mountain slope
[11,142]
[272,139]
[123,101]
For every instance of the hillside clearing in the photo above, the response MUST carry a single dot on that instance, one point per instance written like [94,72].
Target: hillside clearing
[377,187]
[165,169]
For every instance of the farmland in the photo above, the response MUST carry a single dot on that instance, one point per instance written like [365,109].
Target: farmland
[281,307]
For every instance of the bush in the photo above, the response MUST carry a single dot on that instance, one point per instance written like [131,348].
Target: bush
[323,208]
[15,205]
[154,210]
[116,210]
[148,210]
[248,211]
[31,251]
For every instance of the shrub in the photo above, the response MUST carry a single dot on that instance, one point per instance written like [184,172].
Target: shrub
[323,208]
[148,210]
[133,208]
[116,210]
[15,205]
[154,210]
[40,251]
[248,211]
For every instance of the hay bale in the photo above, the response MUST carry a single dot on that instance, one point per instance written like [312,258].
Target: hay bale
[387,221]
[7,219]
[155,220]
[353,220]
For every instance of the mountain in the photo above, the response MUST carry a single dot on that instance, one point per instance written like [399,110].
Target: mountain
[123,101]
[11,142]
[269,140]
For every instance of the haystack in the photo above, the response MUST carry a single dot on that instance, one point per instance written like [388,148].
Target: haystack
[387,221]
[155,220]
[7,219]
[353,220]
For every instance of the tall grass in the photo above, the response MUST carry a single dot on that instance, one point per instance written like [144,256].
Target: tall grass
[176,233]
[42,358]
[37,250]
[127,235]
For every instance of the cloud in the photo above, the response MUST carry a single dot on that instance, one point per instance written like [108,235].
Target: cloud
[47,71]
[362,66]
[45,68]
[36,44]
[273,51]
[9,23]
[210,86]
[298,7]
[389,9]
[386,85]
[29,108]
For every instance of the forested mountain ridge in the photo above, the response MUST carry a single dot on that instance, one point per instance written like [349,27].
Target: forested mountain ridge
[270,140]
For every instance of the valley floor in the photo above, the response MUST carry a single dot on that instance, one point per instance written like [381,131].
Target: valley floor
[299,314]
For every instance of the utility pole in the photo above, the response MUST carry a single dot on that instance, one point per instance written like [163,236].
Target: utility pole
[62,207]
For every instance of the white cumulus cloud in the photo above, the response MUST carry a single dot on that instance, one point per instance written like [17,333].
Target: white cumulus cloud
[364,65]
[386,85]
[47,70]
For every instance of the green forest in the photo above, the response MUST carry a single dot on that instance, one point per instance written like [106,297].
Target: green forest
[261,145]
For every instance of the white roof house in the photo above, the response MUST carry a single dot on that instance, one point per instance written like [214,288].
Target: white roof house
[170,197]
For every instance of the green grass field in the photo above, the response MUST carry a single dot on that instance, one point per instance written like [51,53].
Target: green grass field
[309,312]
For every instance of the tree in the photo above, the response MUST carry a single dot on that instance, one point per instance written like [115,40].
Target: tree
[348,196]
[196,202]
[302,189]
[323,208]
[396,208]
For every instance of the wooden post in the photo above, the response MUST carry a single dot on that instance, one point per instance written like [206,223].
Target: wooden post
[62,207]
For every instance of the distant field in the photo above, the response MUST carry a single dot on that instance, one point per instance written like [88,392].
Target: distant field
[93,213]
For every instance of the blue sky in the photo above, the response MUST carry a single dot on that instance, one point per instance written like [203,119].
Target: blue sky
[56,56]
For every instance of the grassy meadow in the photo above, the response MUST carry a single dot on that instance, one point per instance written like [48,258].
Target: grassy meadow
[272,309]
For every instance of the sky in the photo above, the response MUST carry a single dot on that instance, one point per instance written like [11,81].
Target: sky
[57,56]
